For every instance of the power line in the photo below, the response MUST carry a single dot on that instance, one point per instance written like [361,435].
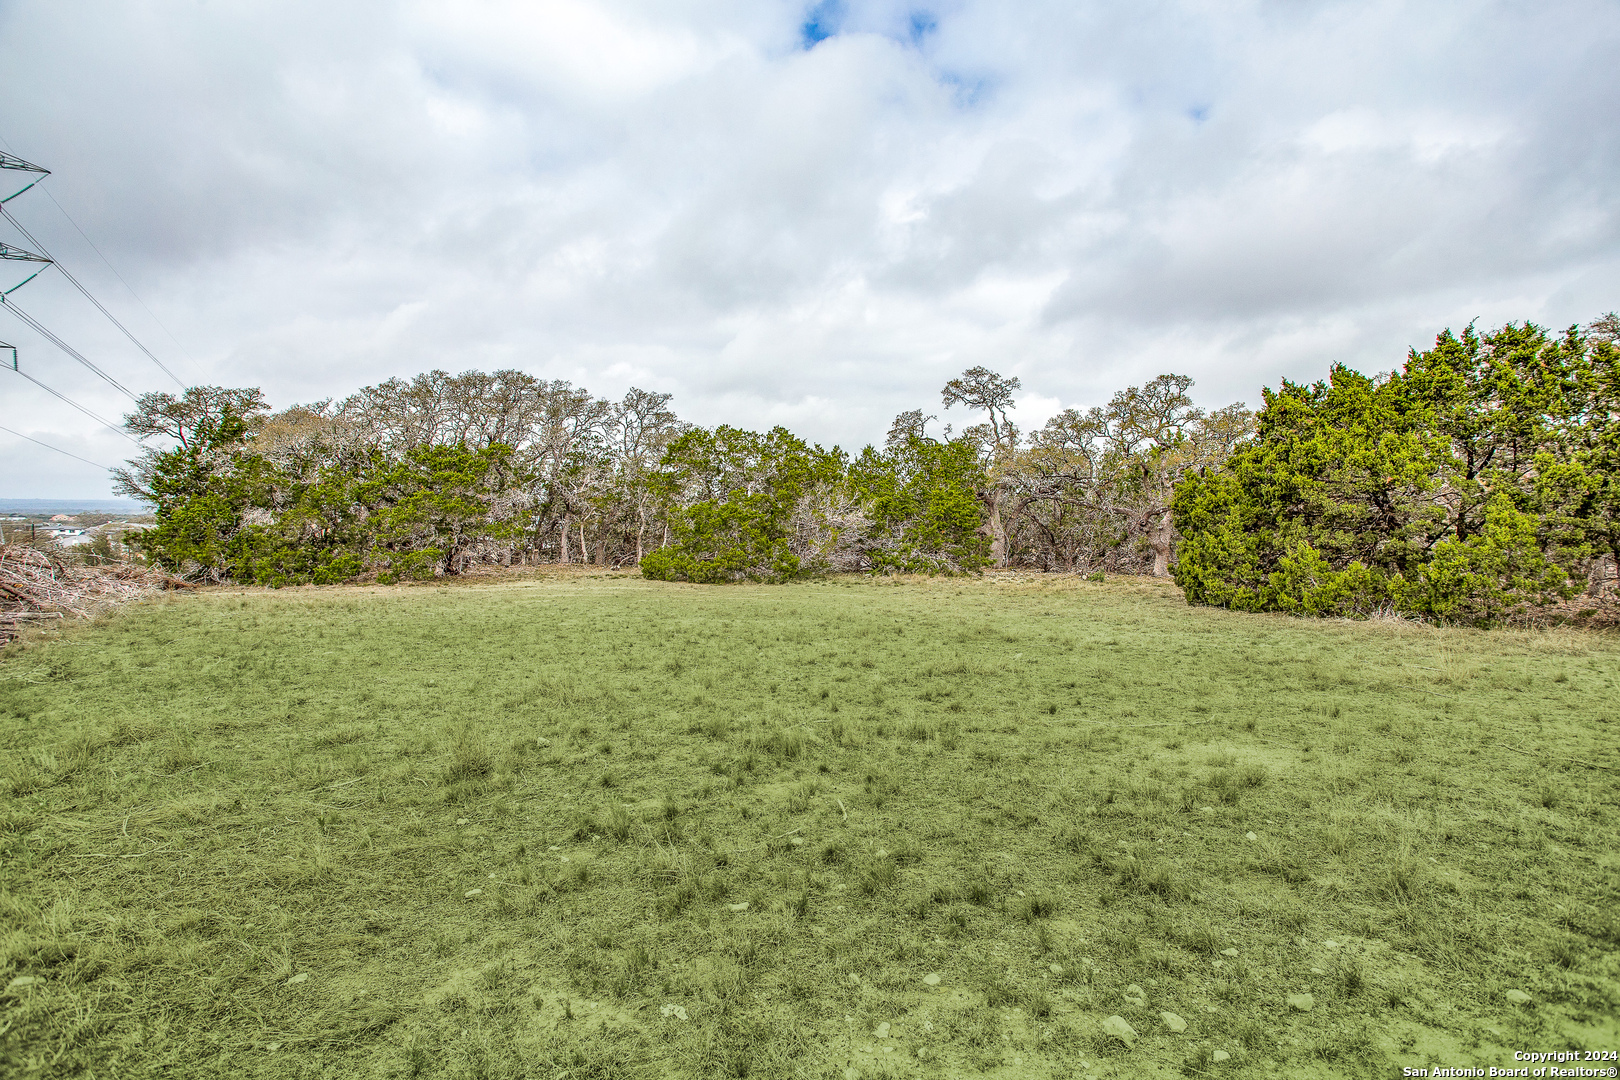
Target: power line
[86,292]
[40,329]
[64,398]
[51,196]
[48,446]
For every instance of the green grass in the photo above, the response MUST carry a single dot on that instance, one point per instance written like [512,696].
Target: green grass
[601,827]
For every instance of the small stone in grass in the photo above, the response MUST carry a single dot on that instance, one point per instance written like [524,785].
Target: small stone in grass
[930,979]
[1518,997]
[302,976]
[1229,952]
[1331,944]
[1120,1028]
[1251,836]
[743,906]
[461,821]
[1220,1055]
[1173,1022]
[470,893]
[882,1031]
[1302,1002]
[1056,969]
[22,981]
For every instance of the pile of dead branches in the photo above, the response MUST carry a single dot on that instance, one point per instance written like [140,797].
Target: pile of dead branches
[40,586]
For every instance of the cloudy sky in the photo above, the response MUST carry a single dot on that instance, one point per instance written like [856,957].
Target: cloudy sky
[780,213]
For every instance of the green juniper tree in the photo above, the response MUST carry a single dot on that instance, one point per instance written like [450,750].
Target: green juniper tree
[1470,486]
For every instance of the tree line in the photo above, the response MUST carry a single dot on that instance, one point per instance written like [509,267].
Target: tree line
[413,479]
[1480,480]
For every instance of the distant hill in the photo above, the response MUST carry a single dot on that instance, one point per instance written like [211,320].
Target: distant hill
[73,506]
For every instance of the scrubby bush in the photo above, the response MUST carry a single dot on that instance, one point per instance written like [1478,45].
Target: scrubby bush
[1470,487]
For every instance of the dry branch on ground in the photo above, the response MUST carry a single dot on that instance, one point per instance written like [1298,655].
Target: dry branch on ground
[37,585]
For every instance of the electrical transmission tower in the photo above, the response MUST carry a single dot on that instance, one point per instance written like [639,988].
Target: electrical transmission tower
[17,254]
[11,252]
[17,164]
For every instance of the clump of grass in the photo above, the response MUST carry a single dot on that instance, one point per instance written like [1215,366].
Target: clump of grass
[800,794]
[1253,1035]
[879,785]
[978,889]
[1201,1062]
[1154,876]
[779,742]
[1224,789]
[614,821]
[17,822]
[875,873]
[180,756]
[1564,953]
[1036,906]
[1198,936]
[470,761]
[1339,837]
[24,778]
[918,730]
[999,994]
[1401,878]
[636,965]
[1122,941]
[907,851]
[1287,865]
[1351,975]
[716,725]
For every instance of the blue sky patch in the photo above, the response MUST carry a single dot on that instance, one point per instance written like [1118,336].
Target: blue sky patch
[920,25]
[967,90]
[821,22]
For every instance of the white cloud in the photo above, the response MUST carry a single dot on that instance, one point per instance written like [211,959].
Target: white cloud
[680,195]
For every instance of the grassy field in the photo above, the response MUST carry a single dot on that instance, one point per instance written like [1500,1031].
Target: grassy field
[599,827]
